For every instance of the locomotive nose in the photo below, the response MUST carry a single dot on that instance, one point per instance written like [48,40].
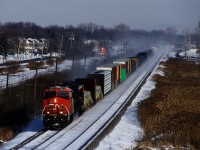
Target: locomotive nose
[53,100]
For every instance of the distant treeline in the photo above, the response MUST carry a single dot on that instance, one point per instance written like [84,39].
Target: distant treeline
[74,37]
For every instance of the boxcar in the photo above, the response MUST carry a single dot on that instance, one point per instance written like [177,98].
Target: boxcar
[115,73]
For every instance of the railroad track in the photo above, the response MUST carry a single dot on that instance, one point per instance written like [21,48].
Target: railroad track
[28,140]
[84,139]
[83,130]
[40,138]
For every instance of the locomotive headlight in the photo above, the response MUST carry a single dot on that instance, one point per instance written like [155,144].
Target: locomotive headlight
[47,112]
[55,100]
[61,112]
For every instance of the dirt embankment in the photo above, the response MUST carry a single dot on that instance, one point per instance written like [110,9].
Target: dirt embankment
[171,115]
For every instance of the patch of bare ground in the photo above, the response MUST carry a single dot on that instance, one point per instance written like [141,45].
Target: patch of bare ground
[11,68]
[171,115]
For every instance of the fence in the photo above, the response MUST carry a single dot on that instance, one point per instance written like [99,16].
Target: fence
[19,78]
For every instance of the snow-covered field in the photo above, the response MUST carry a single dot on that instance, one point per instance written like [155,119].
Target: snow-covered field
[28,74]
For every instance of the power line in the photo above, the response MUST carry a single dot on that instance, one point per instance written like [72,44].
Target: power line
[126,45]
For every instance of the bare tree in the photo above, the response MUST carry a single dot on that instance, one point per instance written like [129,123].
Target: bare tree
[88,27]
[197,35]
[187,39]
[171,31]
[122,27]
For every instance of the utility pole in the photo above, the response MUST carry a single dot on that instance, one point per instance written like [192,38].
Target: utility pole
[84,62]
[7,87]
[72,38]
[44,42]
[126,44]
[199,24]
[6,92]
[4,53]
[35,82]
[118,51]
[56,71]
[61,45]
[95,60]
[18,50]
[198,40]
[187,39]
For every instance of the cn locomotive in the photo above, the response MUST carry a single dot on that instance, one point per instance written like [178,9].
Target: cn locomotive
[63,102]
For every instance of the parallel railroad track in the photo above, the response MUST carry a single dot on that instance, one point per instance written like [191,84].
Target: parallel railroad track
[28,140]
[80,133]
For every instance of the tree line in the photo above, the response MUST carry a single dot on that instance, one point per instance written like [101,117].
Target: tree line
[73,38]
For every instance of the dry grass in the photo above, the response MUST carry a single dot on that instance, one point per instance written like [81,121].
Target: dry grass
[34,64]
[6,134]
[50,62]
[11,67]
[171,116]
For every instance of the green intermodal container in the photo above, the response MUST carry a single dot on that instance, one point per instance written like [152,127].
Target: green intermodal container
[125,68]
[123,74]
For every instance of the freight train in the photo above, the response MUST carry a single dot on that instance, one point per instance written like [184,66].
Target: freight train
[63,102]
[104,47]
[103,51]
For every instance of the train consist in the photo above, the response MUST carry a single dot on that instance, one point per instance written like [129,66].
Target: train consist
[69,99]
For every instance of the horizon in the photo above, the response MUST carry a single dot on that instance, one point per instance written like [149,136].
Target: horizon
[138,14]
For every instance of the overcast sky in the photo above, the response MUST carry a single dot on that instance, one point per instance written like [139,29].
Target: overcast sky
[138,14]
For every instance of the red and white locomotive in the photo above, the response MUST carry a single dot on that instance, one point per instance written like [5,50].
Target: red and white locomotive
[61,102]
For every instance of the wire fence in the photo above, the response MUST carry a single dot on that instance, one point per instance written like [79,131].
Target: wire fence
[14,80]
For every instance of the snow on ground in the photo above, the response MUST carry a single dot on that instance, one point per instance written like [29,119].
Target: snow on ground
[128,131]
[188,53]
[125,134]
[24,56]
[28,74]
[32,128]
[35,125]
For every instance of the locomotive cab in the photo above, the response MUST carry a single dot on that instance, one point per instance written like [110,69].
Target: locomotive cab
[57,106]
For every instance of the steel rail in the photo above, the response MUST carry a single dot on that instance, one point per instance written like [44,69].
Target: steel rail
[28,140]
[84,145]
[139,83]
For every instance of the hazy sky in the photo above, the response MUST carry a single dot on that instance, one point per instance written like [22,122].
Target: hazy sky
[138,14]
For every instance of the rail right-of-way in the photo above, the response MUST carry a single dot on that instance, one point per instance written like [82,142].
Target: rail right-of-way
[84,129]
[86,137]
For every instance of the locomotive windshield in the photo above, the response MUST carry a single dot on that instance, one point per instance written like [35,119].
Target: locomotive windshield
[49,94]
[63,94]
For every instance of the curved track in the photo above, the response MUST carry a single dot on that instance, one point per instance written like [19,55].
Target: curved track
[83,130]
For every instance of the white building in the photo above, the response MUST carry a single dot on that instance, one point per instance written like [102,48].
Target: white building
[31,44]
